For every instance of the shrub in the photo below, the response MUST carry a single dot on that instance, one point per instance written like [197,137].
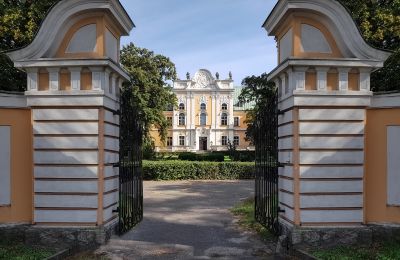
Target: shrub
[210,157]
[188,170]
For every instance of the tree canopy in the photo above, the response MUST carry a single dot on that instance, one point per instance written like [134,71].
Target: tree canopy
[19,22]
[379,23]
[150,74]
[259,90]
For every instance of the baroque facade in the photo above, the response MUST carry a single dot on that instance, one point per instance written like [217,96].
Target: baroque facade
[208,116]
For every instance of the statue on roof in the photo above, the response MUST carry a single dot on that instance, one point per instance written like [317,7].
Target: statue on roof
[188,76]
[217,75]
[230,75]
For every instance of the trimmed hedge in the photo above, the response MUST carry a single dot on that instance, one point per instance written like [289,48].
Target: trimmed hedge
[187,170]
[208,157]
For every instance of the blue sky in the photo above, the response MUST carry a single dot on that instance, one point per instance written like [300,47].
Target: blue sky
[218,35]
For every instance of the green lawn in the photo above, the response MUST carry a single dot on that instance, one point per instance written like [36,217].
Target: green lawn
[245,212]
[19,251]
[385,251]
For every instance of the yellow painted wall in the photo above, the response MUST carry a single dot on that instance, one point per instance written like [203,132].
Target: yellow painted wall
[332,80]
[354,79]
[21,207]
[43,80]
[311,80]
[376,209]
[65,80]
[86,80]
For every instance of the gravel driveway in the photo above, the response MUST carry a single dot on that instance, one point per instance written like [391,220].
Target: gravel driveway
[190,220]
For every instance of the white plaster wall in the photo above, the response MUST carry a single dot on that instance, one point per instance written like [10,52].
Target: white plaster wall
[324,142]
[331,216]
[62,128]
[58,172]
[84,186]
[66,114]
[65,142]
[321,172]
[66,201]
[65,216]
[316,186]
[331,157]
[331,201]
[332,114]
[331,128]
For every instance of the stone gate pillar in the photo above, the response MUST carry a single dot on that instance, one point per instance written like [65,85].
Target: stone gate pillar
[323,78]
[74,81]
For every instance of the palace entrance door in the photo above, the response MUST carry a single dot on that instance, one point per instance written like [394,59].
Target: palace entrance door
[203,143]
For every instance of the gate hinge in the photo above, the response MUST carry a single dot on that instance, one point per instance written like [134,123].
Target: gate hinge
[280,210]
[117,112]
[281,165]
[115,165]
[280,112]
[116,210]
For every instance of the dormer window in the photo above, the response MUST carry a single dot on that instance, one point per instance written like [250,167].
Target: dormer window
[181,106]
[203,106]
[224,106]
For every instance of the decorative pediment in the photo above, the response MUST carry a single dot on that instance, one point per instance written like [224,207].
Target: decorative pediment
[203,79]
[318,29]
[75,29]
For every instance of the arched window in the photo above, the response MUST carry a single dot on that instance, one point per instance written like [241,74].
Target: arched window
[224,106]
[182,118]
[224,119]
[203,119]
[203,106]
[181,106]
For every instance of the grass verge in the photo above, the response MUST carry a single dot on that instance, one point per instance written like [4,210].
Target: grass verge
[245,212]
[384,251]
[19,251]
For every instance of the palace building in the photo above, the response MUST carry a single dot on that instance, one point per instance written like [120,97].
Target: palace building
[208,117]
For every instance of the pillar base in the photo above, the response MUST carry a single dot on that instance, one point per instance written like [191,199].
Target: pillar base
[75,239]
[305,238]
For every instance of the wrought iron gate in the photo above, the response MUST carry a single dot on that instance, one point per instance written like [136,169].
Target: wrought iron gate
[130,165]
[266,186]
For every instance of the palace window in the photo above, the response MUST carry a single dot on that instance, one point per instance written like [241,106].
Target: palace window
[181,106]
[236,121]
[224,106]
[224,119]
[169,120]
[182,119]
[169,141]
[203,119]
[181,140]
[203,106]
[224,140]
[236,140]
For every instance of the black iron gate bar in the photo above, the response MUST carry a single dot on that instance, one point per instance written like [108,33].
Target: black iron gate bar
[266,179]
[130,165]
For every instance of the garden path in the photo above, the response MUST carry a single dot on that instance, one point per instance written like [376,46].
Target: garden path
[190,220]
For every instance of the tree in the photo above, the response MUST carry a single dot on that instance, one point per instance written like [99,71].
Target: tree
[379,23]
[19,22]
[152,93]
[259,90]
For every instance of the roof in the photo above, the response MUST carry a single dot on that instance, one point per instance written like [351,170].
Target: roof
[241,107]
